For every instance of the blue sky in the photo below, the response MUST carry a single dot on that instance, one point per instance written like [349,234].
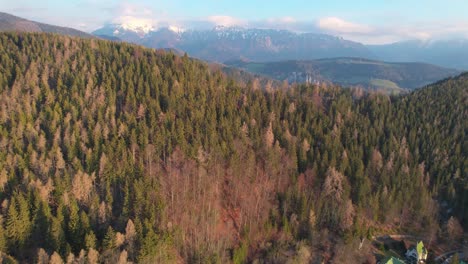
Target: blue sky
[368,21]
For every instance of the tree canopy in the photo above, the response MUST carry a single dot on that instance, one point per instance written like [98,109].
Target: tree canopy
[116,152]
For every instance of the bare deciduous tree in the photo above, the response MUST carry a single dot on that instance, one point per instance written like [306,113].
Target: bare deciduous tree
[55,259]
[82,186]
[93,256]
[123,257]
[119,239]
[42,256]
[454,229]
[347,215]
[102,213]
[269,136]
[333,185]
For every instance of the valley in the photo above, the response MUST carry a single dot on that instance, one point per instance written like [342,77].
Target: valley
[392,78]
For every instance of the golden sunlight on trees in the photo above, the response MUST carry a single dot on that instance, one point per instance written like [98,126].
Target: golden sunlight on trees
[112,153]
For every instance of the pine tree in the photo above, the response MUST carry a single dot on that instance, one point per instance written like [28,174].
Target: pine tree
[18,224]
[57,232]
[3,238]
[13,231]
[41,230]
[109,239]
[74,228]
[90,240]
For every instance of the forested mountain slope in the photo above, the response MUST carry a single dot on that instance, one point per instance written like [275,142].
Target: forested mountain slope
[11,23]
[113,152]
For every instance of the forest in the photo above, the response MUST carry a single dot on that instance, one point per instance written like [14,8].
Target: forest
[115,153]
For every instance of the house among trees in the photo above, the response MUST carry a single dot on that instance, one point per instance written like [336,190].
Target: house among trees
[455,259]
[417,254]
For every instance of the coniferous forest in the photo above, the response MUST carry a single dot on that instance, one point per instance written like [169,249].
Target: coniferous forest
[110,152]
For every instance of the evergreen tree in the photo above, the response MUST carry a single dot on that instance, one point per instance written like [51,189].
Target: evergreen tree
[109,239]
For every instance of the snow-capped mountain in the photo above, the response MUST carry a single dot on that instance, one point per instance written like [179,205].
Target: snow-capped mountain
[230,43]
[141,29]
[223,44]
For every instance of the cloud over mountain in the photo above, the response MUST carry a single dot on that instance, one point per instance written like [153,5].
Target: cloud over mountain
[145,15]
[227,21]
[339,25]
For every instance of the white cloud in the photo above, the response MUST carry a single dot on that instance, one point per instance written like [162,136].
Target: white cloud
[143,19]
[382,34]
[227,21]
[279,23]
[338,25]
[150,16]
[284,20]
[131,13]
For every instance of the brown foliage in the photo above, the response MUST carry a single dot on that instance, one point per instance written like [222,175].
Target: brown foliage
[347,215]
[55,259]
[333,185]
[43,189]
[454,229]
[42,257]
[269,136]
[93,256]
[82,185]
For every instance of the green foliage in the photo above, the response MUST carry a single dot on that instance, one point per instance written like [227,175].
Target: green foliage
[18,223]
[90,240]
[3,240]
[240,254]
[156,249]
[75,229]
[109,239]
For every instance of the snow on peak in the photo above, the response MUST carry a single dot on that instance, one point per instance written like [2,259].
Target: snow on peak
[220,27]
[141,26]
[176,29]
[228,28]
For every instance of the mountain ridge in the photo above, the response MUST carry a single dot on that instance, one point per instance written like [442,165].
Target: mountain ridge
[452,53]
[223,43]
[10,22]
[228,43]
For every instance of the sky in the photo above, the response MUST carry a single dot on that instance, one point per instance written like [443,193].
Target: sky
[366,21]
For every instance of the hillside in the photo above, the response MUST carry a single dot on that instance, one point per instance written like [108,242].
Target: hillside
[10,23]
[111,152]
[370,74]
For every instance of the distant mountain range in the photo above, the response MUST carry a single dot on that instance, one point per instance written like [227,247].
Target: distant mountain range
[232,43]
[447,53]
[13,23]
[222,44]
[370,74]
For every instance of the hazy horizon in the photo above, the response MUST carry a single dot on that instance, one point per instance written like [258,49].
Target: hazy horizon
[368,22]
